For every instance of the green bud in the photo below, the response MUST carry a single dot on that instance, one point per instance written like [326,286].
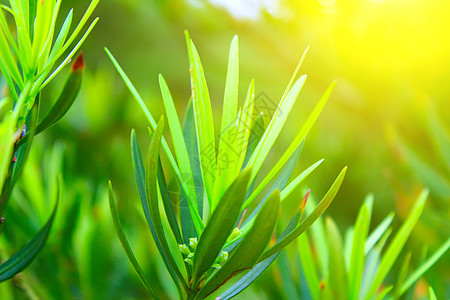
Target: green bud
[193,243]
[222,257]
[184,249]
[191,255]
[217,266]
[189,261]
[235,234]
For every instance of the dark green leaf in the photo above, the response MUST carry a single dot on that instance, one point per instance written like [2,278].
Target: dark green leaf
[65,99]
[139,170]
[256,133]
[152,198]
[28,253]
[251,247]
[168,207]
[190,138]
[220,225]
[125,244]
[257,270]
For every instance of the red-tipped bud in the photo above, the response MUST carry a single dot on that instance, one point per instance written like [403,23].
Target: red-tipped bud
[78,64]
[305,198]
[322,284]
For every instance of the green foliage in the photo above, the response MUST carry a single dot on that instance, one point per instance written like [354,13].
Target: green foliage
[228,190]
[359,265]
[28,60]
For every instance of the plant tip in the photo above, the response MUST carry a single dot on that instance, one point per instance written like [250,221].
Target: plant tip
[78,63]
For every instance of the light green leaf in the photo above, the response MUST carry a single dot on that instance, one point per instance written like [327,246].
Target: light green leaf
[295,143]
[204,123]
[179,143]
[311,218]
[274,128]
[397,244]
[358,256]
[424,267]
[338,278]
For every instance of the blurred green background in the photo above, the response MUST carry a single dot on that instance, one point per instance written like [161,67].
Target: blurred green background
[387,119]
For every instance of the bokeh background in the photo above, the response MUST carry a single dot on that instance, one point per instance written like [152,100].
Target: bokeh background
[387,120]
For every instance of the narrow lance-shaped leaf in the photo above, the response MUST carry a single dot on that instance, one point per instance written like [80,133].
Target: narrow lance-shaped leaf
[338,279]
[152,198]
[220,225]
[280,183]
[402,274]
[251,247]
[229,161]
[65,100]
[195,216]
[295,143]
[168,207]
[308,221]
[378,232]
[139,170]
[308,267]
[204,123]
[28,253]
[424,267]
[125,244]
[256,133]
[190,138]
[276,124]
[283,108]
[179,144]
[397,244]
[257,270]
[229,122]
[358,256]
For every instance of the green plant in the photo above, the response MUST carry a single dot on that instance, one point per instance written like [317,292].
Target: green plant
[28,62]
[217,236]
[356,267]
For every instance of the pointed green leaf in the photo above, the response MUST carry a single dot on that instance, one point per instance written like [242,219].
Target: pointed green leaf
[378,232]
[220,225]
[358,256]
[257,270]
[151,189]
[256,133]
[179,143]
[308,265]
[168,206]
[297,140]
[230,100]
[311,218]
[234,142]
[66,98]
[338,277]
[196,217]
[431,293]
[125,244]
[424,267]
[204,123]
[20,260]
[276,124]
[190,138]
[397,244]
[251,247]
